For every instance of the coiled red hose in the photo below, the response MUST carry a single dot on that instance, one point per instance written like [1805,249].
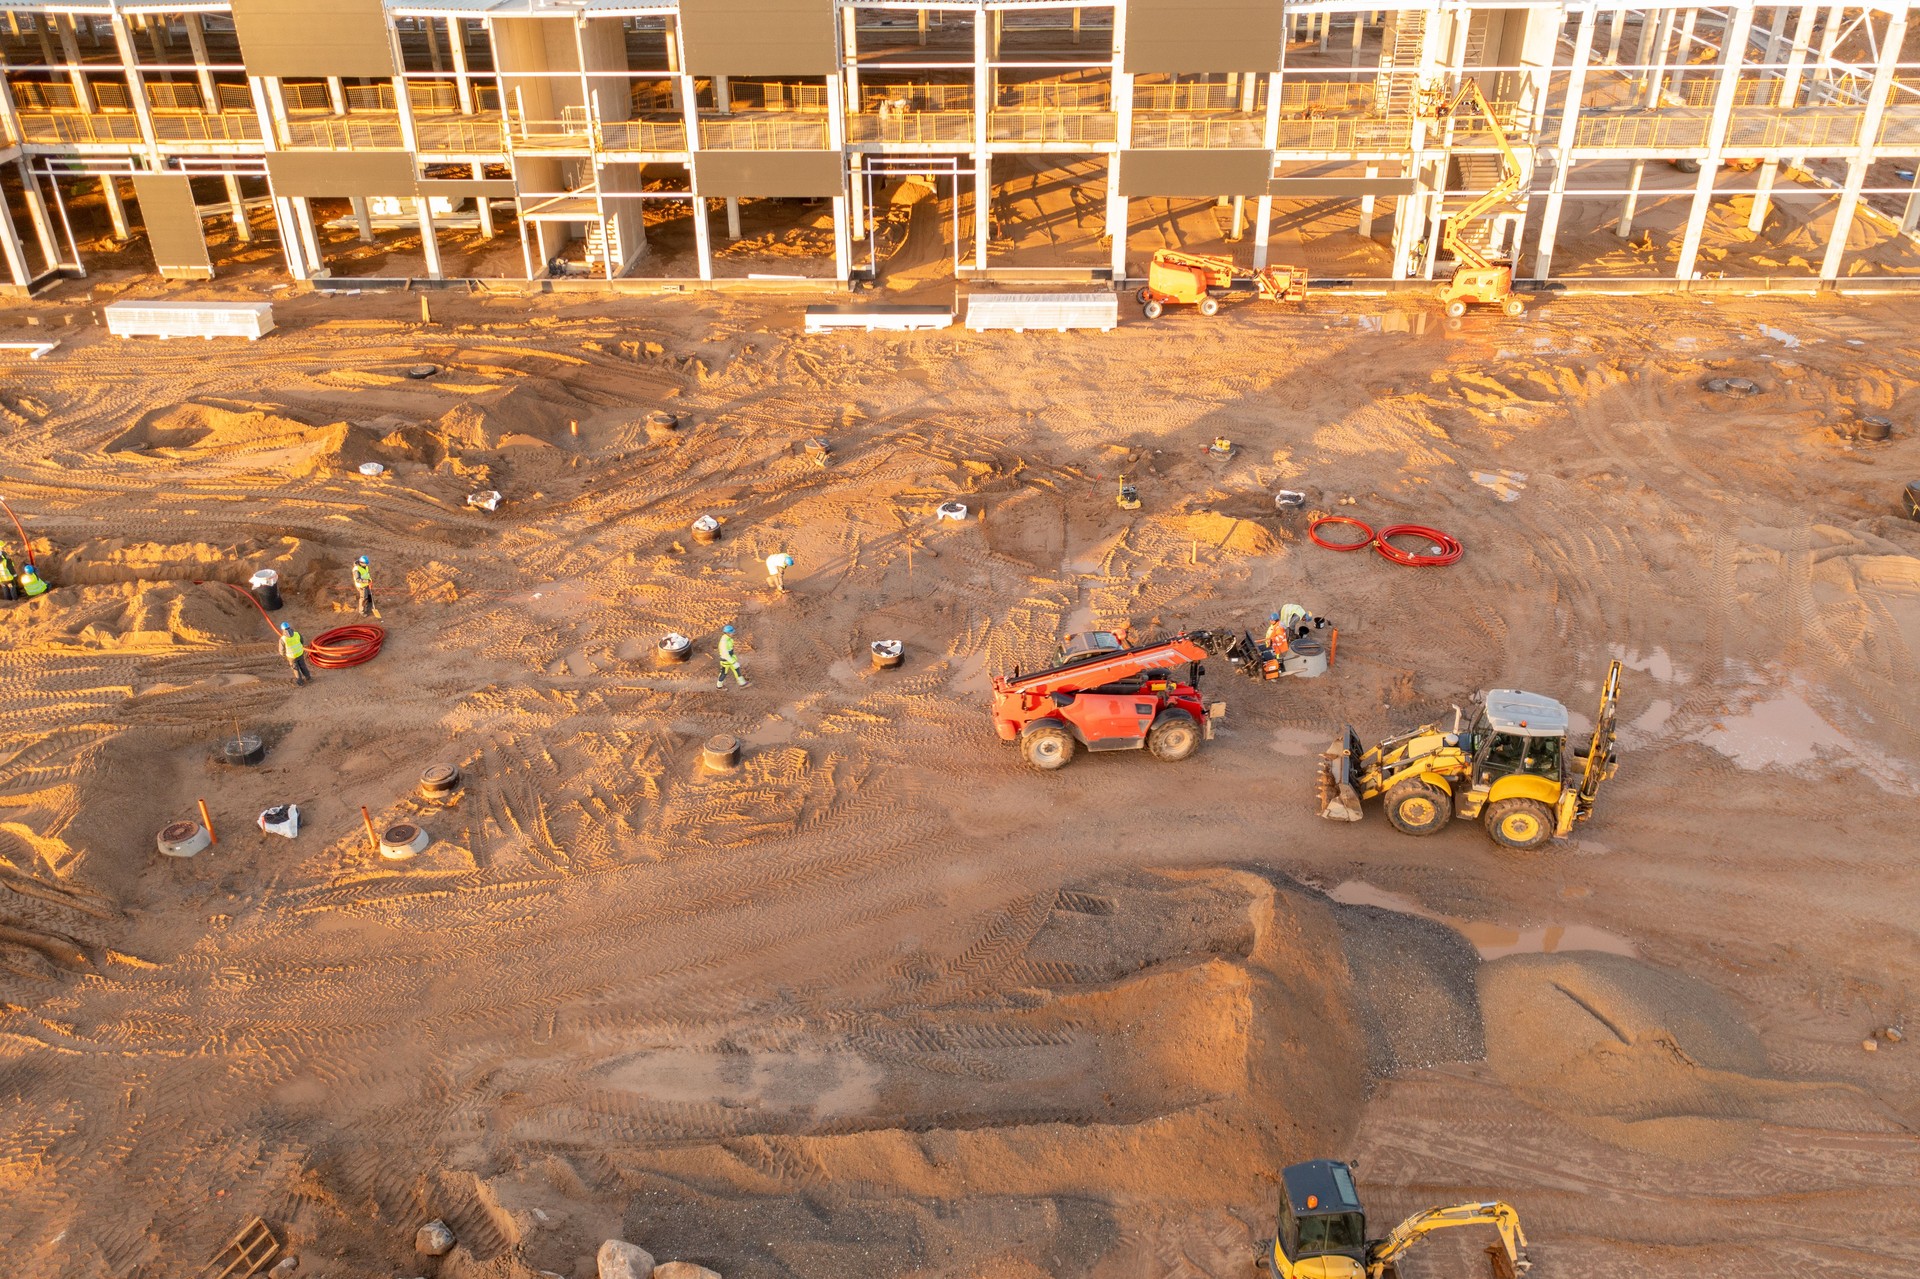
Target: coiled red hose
[1313,535]
[1450,548]
[345,646]
[337,649]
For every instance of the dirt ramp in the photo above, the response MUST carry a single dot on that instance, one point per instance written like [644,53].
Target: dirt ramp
[1637,1056]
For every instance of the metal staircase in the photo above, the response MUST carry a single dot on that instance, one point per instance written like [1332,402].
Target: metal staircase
[1399,80]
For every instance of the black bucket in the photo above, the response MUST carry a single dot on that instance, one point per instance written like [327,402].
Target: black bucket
[264,586]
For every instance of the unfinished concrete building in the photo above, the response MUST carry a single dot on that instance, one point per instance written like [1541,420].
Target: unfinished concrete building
[703,139]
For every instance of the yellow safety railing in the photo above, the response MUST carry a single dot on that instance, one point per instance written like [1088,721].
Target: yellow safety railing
[1349,133]
[1704,91]
[1902,124]
[461,134]
[1051,95]
[776,95]
[198,127]
[1329,95]
[343,133]
[643,135]
[911,126]
[917,97]
[1641,131]
[785,132]
[1193,98]
[1053,126]
[78,127]
[1163,129]
[1813,128]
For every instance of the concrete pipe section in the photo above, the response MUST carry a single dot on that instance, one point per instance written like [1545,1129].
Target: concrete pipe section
[721,754]
[401,841]
[673,649]
[439,782]
[182,839]
[887,654]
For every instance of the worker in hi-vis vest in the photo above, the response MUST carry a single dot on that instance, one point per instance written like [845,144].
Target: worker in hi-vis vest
[294,649]
[729,661]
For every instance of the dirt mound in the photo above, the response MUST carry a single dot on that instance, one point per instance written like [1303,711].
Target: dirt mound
[1635,1055]
[208,425]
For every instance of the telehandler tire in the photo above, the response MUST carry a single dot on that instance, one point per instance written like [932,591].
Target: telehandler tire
[1046,745]
[1174,736]
[1523,824]
[1418,808]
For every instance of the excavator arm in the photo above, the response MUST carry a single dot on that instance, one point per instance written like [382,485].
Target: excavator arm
[1600,748]
[1501,1216]
[1502,192]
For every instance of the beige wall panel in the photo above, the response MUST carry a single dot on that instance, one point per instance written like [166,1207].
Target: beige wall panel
[1203,35]
[1195,173]
[300,38]
[760,37]
[173,225]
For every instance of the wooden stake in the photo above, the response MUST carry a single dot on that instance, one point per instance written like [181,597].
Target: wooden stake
[426,314]
[372,839]
[207,821]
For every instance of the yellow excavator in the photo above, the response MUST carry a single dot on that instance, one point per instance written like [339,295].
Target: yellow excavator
[1512,769]
[1323,1229]
[1477,278]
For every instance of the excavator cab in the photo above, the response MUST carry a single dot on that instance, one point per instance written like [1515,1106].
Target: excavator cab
[1322,1232]
[1086,646]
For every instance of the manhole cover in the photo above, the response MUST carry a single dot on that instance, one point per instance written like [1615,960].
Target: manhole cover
[1733,386]
[179,832]
[401,834]
[440,776]
[244,749]
[419,371]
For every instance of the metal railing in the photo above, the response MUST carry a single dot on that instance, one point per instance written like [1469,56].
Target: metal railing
[1641,131]
[1901,125]
[1053,96]
[1053,126]
[461,134]
[934,98]
[643,135]
[1352,133]
[183,127]
[774,95]
[1704,91]
[1814,128]
[342,133]
[80,127]
[783,132]
[424,95]
[911,126]
[1165,129]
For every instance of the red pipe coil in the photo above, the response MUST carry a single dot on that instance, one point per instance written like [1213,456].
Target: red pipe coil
[1314,536]
[345,646]
[1450,548]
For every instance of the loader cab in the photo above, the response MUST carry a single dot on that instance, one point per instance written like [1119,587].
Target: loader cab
[1322,1231]
[1086,646]
[1518,733]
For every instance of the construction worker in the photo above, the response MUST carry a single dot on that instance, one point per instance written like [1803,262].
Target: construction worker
[1294,618]
[31,583]
[294,649]
[1276,636]
[777,565]
[729,662]
[363,585]
[9,579]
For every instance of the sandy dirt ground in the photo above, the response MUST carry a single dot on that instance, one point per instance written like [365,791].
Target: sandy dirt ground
[883,1002]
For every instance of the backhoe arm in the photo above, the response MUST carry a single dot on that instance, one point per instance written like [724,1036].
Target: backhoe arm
[1499,1215]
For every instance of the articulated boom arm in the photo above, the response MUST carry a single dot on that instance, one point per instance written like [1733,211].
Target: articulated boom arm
[1116,666]
[1414,1228]
[1600,749]
[1503,191]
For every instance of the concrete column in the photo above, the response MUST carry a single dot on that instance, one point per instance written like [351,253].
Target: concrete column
[1684,54]
[982,161]
[483,205]
[1076,26]
[1613,39]
[309,235]
[1876,113]
[1789,91]
[11,248]
[1732,56]
[289,228]
[1367,205]
[197,42]
[116,207]
[1262,230]
[1269,138]
[462,78]
[1829,36]
[1911,217]
[37,214]
[41,21]
[433,45]
[857,194]
[70,47]
[837,143]
[849,57]
[922,15]
[1117,207]
[690,118]
[136,88]
[242,228]
[429,238]
[1775,35]
[1563,152]
[362,217]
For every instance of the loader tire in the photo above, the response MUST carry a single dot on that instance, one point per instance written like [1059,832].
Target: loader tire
[1418,808]
[1046,745]
[1523,824]
[1174,736]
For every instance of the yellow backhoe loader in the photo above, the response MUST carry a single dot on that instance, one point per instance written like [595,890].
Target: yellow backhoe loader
[1512,769]
[1323,1229]
[1477,278]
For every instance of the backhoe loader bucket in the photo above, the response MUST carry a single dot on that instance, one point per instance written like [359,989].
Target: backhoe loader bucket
[1339,800]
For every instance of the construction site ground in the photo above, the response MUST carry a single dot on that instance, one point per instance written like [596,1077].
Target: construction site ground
[883,1002]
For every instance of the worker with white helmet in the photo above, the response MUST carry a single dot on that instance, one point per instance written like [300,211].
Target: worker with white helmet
[777,565]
